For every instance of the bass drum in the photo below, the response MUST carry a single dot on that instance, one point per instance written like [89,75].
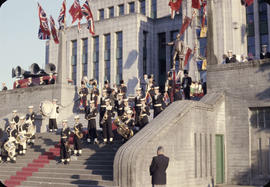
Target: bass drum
[46,108]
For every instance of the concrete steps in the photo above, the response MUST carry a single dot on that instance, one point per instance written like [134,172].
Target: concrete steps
[40,167]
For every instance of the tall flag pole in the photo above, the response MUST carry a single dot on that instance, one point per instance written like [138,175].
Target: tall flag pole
[53,30]
[44,31]
[185,25]
[175,7]
[62,16]
[86,11]
[76,12]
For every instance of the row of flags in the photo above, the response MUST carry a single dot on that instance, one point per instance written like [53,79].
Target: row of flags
[77,13]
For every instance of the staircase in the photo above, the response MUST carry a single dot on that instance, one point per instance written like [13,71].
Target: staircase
[40,167]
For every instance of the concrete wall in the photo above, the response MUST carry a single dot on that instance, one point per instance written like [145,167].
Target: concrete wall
[245,85]
[177,128]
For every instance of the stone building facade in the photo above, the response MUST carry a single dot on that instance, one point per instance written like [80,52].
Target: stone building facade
[130,41]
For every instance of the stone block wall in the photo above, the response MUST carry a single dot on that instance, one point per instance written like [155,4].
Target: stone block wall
[187,131]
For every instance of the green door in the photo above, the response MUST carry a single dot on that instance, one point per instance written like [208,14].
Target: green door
[219,159]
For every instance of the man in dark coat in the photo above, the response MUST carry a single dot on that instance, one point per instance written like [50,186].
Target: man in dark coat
[186,82]
[264,54]
[158,168]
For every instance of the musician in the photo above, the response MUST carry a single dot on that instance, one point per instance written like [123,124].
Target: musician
[106,122]
[129,121]
[142,114]
[15,117]
[90,115]
[151,86]
[169,85]
[30,82]
[123,88]
[53,116]
[22,127]
[12,135]
[120,105]
[126,106]
[138,96]
[64,144]
[95,94]
[30,117]
[17,84]
[158,103]
[51,79]
[102,108]
[83,94]
[78,134]
[41,81]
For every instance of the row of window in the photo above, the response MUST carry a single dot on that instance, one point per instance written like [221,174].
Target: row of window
[131,9]
[107,57]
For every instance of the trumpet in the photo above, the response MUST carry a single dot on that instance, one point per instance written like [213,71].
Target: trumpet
[78,133]
[105,117]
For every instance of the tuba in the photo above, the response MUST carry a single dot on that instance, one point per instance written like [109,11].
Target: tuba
[123,129]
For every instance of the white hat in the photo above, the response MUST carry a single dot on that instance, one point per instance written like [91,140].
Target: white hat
[14,111]
[230,51]
[22,117]
[142,99]
[31,107]
[156,88]
[125,99]
[29,77]
[107,100]
[12,122]
[129,112]
[77,117]
[139,89]
[92,101]
[64,121]
[264,45]
[120,94]
[55,100]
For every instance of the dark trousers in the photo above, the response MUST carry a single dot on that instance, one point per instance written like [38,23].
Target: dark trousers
[92,129]
[187,93]
[107,129]
[64,153]
[52,124]
[157,110]
[77,143]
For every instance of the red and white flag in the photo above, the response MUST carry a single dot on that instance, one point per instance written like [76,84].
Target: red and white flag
[86,11]
[204,3]
[76,12]
[62,16]
[175,7]
[185,25]
[196,4]
[189,51]
[44,29]
[53,30]
[247,2]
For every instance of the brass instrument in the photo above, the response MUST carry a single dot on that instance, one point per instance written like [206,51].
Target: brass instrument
[78,133]
[123,129]
[105,117]
[141,112]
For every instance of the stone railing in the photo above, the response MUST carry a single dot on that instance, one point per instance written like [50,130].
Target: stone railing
[175,129]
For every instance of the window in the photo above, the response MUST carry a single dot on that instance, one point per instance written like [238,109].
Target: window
[84,56]
[154,9]
[131,7]
[121,10]
[144,52]
[263,23]
[107,57]
[96,58]
[101,14]
[74,61]
[251,45]
[47,52]
[119,51]
[260,117]
[250,30]
[111,12]
[142,7]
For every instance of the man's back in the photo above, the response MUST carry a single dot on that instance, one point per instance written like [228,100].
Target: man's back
[158,169]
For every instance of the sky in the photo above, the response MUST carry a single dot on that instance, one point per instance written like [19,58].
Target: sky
[19,43]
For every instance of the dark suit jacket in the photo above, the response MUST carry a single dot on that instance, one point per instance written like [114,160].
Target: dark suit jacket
[188,82]
[158,169]
[264,56]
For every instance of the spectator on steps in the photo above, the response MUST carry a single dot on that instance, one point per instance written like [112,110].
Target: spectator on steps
[264,54]
[4,87]
[17,84]
[186,82]
[158,168]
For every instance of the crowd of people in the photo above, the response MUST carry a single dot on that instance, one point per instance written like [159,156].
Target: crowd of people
[232,58]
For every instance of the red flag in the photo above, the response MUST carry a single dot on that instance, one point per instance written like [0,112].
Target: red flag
[53,30]
[204,13]
[196,4]
[247,2]
[86,11]
[175,6]
[185,25]
[62,15]
[44,27]
[189,51]
[76,12]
